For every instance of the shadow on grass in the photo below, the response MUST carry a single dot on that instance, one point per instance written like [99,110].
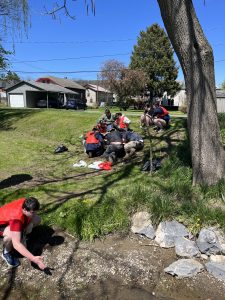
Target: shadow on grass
[102,189]
[173,141]
[14,180]
[41,237]
[8,117]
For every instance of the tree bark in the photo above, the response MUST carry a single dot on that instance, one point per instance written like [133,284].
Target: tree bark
[197,62]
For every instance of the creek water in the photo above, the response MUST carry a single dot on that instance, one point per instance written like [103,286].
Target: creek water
[112,290]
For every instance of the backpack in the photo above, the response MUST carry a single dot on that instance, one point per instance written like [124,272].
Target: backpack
[156,164]
[60,149]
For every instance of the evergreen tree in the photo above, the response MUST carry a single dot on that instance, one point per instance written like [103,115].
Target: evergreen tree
[154,55]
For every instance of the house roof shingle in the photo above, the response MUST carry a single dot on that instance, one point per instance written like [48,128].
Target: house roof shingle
[45,87]
[97,88]
[67,83]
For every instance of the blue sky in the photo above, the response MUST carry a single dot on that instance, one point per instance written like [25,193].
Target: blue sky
[70,47]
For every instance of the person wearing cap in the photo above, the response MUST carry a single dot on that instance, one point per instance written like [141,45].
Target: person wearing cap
[17,219]
[108,118]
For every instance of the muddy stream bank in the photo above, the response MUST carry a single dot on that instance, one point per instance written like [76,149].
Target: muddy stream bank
[116,267]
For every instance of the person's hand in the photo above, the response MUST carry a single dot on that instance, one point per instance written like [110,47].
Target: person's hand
[38,260]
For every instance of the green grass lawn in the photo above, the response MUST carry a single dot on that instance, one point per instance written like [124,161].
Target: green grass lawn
[90,203]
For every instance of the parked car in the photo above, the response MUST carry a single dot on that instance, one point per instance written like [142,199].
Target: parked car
[52,103]
[75,104]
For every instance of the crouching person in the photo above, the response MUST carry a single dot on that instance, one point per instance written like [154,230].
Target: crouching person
[121,121]
[16,219]
[94,143]
[114,146]
[134,142]
[161,117]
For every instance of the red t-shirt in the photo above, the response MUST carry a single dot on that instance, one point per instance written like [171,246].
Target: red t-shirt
[15,225]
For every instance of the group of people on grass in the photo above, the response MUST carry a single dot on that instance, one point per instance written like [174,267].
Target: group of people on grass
[112,138]
[156,115]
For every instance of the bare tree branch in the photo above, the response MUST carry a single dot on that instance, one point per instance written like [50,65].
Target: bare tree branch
[64,7]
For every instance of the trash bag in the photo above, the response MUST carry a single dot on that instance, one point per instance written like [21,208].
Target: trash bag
[156,165]
[60,149]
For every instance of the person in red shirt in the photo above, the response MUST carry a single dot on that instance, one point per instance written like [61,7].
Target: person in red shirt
[17,218]
[121,121]
[161,117]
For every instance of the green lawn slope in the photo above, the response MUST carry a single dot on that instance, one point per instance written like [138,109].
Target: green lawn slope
[90,203]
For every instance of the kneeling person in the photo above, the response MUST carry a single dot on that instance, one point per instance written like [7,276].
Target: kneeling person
[16,219]
[114,146]
[94,143]
[134,142]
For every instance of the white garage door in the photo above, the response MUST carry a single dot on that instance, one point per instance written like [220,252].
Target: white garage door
[16,100]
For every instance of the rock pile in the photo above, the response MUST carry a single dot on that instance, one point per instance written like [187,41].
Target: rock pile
[209,245]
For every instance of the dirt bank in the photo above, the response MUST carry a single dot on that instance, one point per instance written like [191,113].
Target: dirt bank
[117,267]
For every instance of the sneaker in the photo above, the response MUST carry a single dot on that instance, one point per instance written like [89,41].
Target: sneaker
[90,154]
[11,260]
[160,131]
[110,159]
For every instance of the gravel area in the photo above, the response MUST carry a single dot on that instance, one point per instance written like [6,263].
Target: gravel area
[116,267]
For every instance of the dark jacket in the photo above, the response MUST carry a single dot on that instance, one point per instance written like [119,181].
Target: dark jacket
[132,136]
[114,136]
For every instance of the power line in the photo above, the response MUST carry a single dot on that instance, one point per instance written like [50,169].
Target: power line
[70,58]
[57,72]
[71,72]
[82,57]
[71,42]
[88,71]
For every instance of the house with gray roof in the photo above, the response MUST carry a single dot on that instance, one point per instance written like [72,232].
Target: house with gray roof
[29,93]
[66,83]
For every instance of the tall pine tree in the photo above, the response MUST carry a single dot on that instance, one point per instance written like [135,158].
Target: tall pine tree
[154,55]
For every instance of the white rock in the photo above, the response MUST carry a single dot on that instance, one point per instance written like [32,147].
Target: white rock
[217,258]
[204,256]
[141,224]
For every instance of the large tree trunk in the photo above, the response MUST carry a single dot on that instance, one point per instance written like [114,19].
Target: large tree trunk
[196,59]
